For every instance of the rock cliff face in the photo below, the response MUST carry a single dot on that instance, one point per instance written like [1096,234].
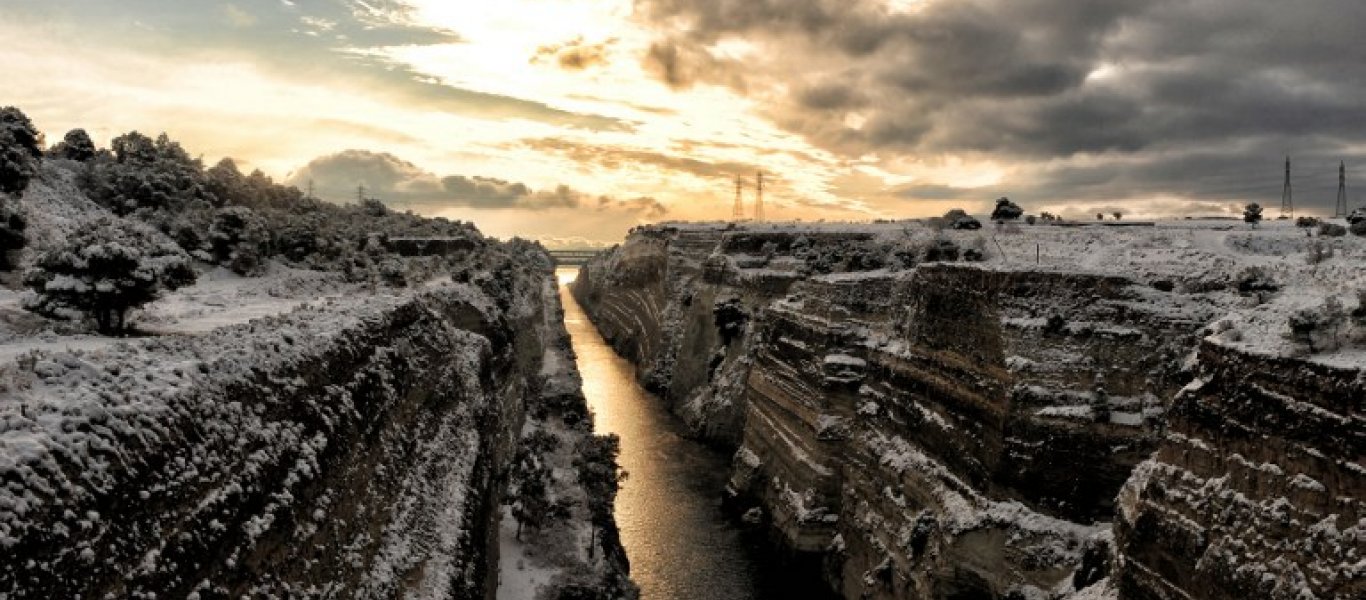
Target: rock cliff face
[1257,490]
[353,451]
[931,429]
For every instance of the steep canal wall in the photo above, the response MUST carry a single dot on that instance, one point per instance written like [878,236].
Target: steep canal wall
[355,450]
[933,429]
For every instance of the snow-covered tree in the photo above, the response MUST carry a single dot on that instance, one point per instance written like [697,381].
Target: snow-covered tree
[239,240]
[1252,214]
[145,174]
[75,145]
[225,184]
[106,268]
[1006,210]
[601,478]
[20,150]
[1119,214]
[529,484]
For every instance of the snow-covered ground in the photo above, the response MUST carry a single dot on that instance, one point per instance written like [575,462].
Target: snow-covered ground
[1210,257]
[219,298]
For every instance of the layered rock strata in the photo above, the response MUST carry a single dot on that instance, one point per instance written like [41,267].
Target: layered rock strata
[932,429]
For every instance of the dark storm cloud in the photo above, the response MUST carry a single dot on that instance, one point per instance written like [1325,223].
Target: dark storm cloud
[1145,84]
[318,41]
[391,179]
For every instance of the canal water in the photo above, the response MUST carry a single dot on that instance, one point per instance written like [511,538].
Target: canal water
[680,543]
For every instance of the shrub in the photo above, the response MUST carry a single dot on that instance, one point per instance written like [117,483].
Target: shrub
[958,219]
[107,267]
[1318,252]
[942,249]
[1252,214]
[1332,230]
[1358,228]
[1006,210]
[19,150]
[1318,329]
[1357,215]
[1307,222]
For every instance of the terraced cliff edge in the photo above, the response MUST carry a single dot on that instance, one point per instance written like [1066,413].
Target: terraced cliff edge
[1067,413]
[354,449]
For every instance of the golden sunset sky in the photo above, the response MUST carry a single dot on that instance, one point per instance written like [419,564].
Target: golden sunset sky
[573,120]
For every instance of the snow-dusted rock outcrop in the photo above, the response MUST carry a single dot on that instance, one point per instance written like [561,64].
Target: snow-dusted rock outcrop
[1257,491]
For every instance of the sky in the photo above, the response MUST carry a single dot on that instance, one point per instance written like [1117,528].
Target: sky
[571,121]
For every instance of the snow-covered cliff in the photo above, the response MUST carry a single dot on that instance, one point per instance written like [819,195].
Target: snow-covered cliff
[928,428]
[344,449]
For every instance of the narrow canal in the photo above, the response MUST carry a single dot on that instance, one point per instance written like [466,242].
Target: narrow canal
[680,544]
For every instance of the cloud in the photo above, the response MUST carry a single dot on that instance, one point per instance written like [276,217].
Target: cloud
[1119,99]
[396,181]
[321,43]
[575,54]
[620,157]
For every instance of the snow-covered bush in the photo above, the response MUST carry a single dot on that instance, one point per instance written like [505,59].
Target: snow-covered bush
[1252,214]
[75,145]
[19,150]
[1357,215]
[1318,329]
[1307,222]
[1318,252]
[1006,210]
[942,249]
[1254,281]
[1332,230]
[1358,228]
[976,251]
[959,219]
[239,240]
[106,268]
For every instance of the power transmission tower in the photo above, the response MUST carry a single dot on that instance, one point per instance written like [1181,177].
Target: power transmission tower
[1287,200]
[310,188]
[738,214]
[360,193]
[1341,209]
[759,197]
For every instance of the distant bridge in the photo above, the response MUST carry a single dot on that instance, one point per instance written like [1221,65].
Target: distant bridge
[571,258]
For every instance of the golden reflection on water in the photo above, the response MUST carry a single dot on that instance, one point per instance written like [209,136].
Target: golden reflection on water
[678,541]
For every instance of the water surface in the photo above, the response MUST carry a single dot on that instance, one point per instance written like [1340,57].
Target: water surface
[680,543]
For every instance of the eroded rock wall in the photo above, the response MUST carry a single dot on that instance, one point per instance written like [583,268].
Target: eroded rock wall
[351,451]
[1256,491]
[942,430]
